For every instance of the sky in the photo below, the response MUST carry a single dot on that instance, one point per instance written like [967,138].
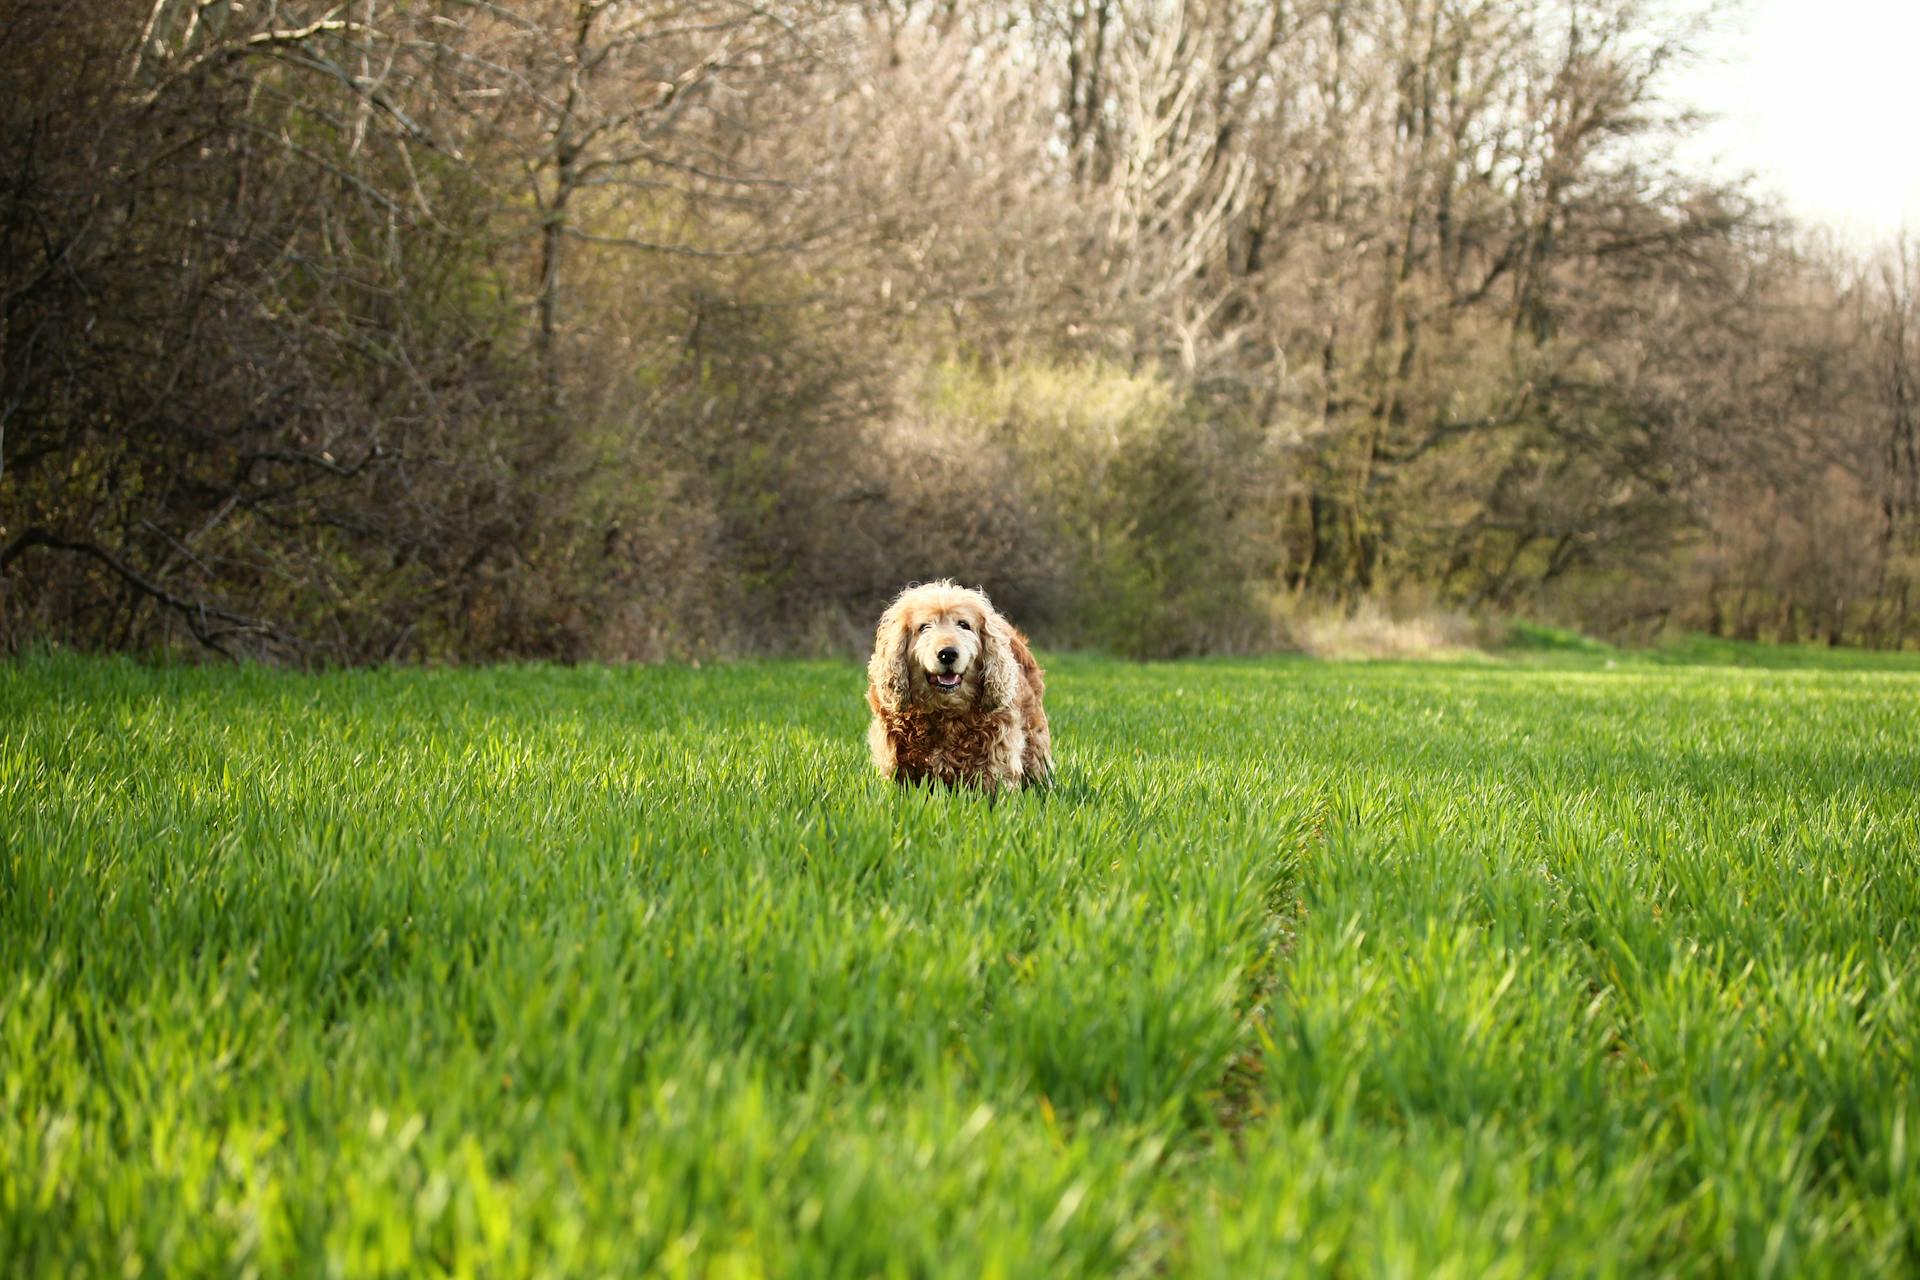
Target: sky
[1820,101]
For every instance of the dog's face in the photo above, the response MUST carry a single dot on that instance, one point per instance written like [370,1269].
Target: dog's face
[935,648]
[943,654]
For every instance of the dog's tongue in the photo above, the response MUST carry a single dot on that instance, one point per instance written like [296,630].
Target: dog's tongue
[947,679]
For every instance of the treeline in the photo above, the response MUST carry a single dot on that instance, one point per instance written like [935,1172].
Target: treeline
[631,328]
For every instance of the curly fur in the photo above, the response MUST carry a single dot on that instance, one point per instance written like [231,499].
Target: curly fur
[989,731]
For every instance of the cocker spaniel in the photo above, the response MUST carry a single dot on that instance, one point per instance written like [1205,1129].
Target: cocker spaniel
[955,693]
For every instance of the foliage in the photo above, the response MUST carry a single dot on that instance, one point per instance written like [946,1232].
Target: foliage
[635,328]
[1302,968]
[1145,494]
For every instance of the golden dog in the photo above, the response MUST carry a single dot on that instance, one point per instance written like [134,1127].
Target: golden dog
[955,693]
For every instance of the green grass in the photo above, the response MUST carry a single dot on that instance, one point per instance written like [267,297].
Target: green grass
[1546,967]
[1702,650]
[1525,640]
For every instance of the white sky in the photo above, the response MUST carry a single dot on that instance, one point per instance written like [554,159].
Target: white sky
[1820,101]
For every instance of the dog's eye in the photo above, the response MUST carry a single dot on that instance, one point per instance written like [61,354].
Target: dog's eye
[925,625]
[965,625]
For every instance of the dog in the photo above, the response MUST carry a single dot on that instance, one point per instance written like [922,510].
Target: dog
[955,694]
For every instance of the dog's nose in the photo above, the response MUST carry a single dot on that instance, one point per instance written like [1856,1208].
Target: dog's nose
[949,656]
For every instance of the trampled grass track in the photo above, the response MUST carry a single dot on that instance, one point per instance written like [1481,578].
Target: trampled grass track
[1471,969]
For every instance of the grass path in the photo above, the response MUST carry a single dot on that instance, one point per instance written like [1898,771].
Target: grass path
[1559,966]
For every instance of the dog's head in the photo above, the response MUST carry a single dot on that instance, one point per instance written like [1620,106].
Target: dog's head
[942,647]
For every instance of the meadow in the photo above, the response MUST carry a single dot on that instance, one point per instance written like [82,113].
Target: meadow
[1562,963]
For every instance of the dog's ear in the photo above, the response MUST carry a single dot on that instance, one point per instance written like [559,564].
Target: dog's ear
[887,673]
[1000,662]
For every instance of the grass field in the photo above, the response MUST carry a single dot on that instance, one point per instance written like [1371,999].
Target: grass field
[1573,964]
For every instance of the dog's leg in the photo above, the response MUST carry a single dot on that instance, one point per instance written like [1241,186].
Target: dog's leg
[1008,752]
[1039,753]
[880,742]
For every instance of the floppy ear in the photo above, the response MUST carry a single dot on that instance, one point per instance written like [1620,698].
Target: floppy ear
[887,669]
[1000,663]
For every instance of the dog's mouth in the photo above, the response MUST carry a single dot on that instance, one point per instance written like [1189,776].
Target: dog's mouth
[946,680]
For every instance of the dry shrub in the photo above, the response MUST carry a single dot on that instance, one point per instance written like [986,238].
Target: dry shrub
[1373,630]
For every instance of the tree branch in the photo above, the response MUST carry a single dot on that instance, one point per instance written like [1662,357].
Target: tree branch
[197,614]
